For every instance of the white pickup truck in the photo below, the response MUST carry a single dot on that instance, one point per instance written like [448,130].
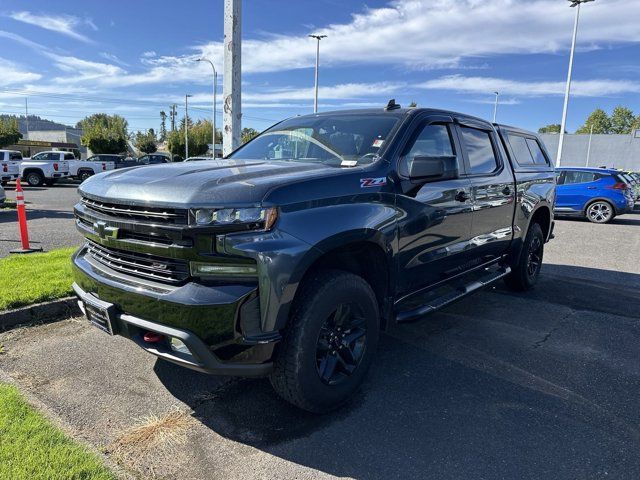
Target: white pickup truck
[83,169]
[45,167]
[9,165]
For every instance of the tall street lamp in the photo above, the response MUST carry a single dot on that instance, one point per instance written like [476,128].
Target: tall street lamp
[186,125]
[215,85]
[315,101]
[574,3]
[495,107]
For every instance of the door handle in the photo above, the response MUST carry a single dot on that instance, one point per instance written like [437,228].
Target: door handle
[591,188]
[506,191]
[462,196]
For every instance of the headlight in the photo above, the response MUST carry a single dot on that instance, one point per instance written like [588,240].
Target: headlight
[264,218]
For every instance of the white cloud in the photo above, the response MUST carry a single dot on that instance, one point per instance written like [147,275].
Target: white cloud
[442,33]
[12,74]
[582,88]
[62,24]
[113,58]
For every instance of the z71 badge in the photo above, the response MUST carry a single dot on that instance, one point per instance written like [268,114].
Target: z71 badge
[373,182]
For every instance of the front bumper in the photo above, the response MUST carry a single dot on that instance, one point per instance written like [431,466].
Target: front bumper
[210,320]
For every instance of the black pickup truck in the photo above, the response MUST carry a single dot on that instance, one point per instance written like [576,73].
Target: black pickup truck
[288,258]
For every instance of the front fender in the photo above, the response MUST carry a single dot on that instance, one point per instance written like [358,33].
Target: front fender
[300,239]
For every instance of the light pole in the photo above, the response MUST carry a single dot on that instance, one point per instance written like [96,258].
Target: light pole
[589,146]
[215,85]
[495,107]
[315,100]
[186,125]
[574,3]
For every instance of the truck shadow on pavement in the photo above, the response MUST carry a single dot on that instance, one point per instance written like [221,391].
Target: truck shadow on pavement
[500,385]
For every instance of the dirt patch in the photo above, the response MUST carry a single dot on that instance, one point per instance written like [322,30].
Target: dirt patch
[151,435]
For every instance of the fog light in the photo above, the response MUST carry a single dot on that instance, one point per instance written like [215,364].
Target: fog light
[178,345]
[209,269]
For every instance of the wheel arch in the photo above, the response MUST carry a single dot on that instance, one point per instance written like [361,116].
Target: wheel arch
[364,256]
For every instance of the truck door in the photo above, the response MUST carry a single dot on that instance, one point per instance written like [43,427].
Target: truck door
[435,224]
[492,189]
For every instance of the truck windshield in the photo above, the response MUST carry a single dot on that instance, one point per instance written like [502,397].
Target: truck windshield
[340,140]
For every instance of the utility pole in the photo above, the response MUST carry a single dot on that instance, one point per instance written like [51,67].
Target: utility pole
[232,110]
[495,107]
[26,115]
[315,97]
[215,84]
[186,125]
[574,3]
[172,114]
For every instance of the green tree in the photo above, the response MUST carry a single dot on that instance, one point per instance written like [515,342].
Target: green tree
[247,134]
[146,142]
[9,132]
[551,128]
[599,120]
[104,133]
[200,134]
[622,120]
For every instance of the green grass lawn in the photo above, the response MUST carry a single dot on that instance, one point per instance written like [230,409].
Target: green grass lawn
[34,277]
[31,448]
[8,204]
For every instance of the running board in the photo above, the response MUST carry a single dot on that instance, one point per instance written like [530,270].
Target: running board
[458,293]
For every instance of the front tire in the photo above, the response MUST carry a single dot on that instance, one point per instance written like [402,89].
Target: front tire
[84,175]
[329,342]
[524,274]
[35,179]
[600,211]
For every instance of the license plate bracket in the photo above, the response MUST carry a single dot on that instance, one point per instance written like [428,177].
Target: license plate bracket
[100,314]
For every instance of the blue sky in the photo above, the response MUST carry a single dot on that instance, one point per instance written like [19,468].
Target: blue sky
[135,58]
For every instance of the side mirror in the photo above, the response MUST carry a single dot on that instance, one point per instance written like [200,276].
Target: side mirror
[433,168]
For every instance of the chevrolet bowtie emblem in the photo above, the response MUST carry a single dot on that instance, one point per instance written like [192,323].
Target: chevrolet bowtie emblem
[104,231]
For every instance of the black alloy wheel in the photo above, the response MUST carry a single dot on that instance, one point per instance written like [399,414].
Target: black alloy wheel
[341,344]
[534,258]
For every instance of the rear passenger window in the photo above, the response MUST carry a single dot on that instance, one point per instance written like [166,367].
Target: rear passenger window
[576,176]
[536,152]
[15,156]
[482,157]
[69,156]
[520,149]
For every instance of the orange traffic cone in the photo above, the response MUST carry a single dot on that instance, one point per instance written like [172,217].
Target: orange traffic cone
[22,222]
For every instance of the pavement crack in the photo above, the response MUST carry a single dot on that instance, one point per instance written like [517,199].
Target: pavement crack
[558,326]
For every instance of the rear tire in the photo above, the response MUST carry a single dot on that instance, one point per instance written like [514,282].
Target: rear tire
[525,272]
[34,179]
[600,211]
[329,342]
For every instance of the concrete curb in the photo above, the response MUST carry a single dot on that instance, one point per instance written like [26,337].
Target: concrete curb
[46,312]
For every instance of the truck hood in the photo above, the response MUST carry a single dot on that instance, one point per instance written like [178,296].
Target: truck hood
[199,184]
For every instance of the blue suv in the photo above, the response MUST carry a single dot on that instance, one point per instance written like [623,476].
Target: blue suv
[595,193]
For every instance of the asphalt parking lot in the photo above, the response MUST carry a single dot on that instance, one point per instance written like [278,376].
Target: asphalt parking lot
[49,215]
[500,385]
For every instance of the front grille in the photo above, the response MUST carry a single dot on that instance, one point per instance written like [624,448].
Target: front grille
[171,216]
[139,264]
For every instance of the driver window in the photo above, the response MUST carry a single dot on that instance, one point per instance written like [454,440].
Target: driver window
[433,140]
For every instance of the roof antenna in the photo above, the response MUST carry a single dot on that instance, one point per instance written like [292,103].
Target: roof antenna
[392,105]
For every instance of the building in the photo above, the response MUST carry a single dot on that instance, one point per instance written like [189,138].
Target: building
[613,151]
[41,140]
